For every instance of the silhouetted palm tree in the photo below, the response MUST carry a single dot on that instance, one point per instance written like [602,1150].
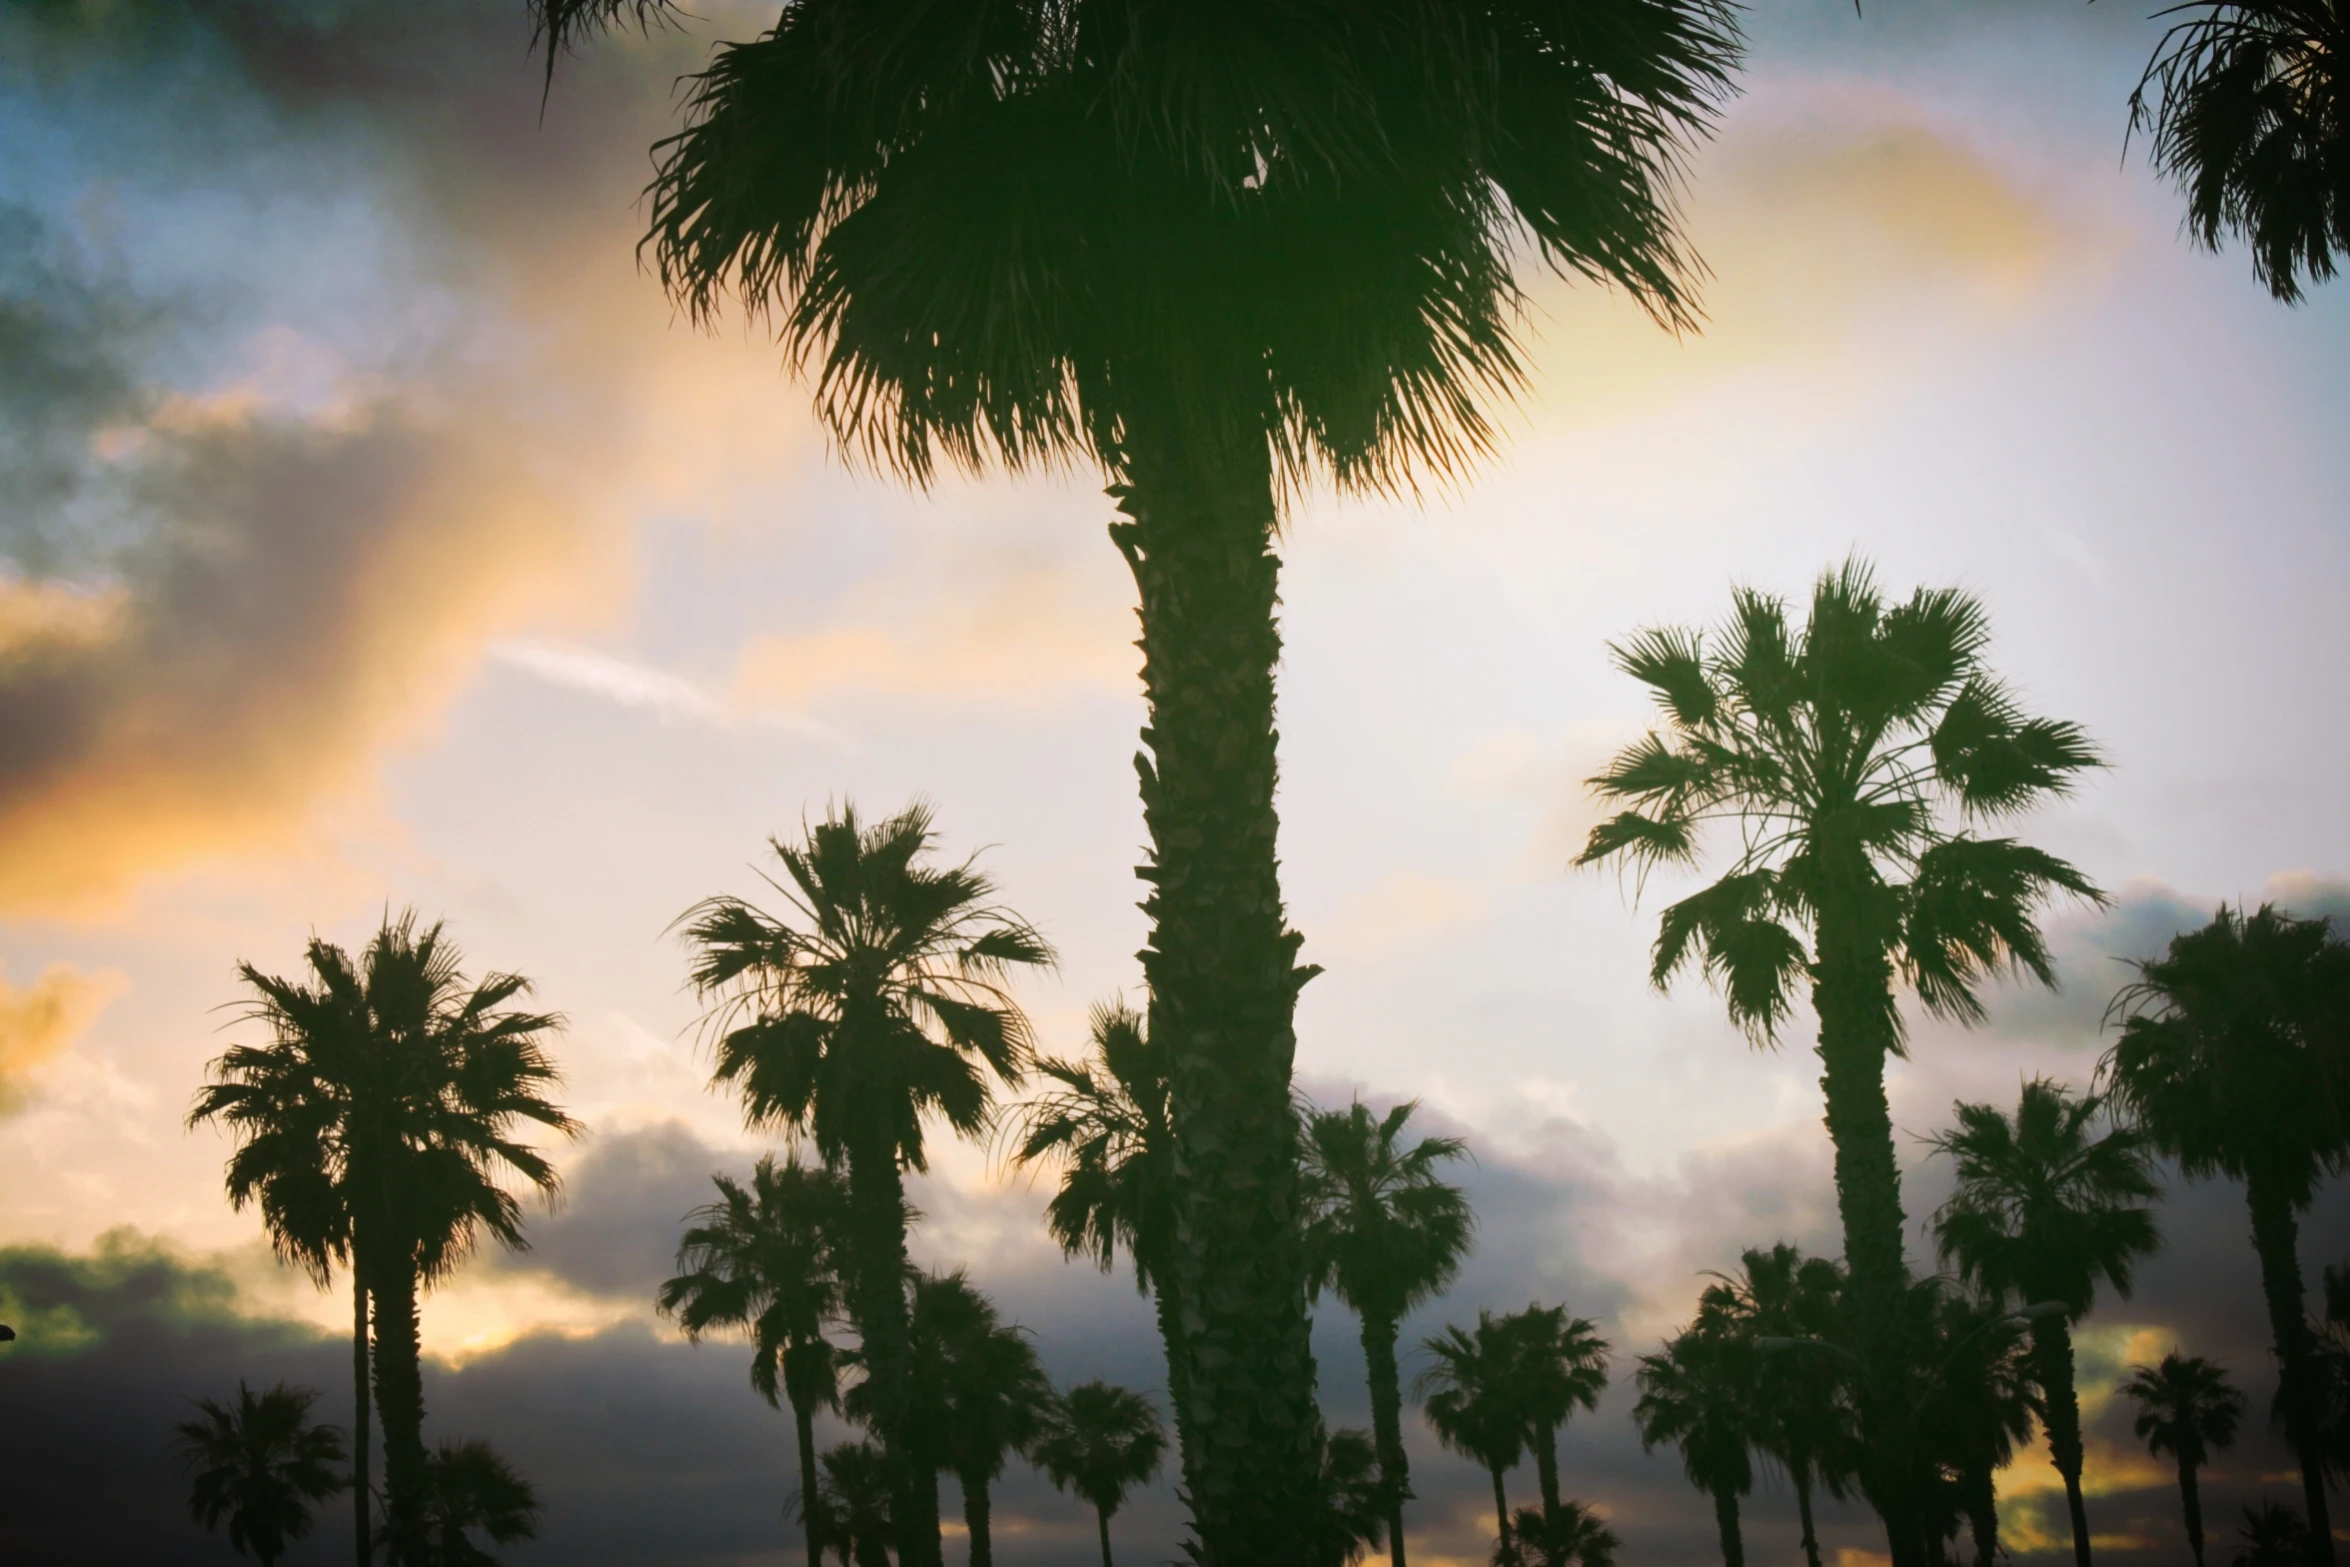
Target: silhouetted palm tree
[260,1464]
[1801,1419]
[1100,1442]
[858,1484]
[2186,1408]
[2234,1055]
[994,1394]
[1559,1365]
[1385,1234]
[1698,1395]
[763,1260]
[1973,1390]
[1220,253]
[413,1122]
[2273,1536]
[1840,753]
[1350,1500]
[469,1488]
[2247,118]
[874,1001]
[1573,1536]
[1469,1395]
[2043,1209]
[1105,1122]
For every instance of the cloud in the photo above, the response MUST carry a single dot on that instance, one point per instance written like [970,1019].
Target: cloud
[613,679]
[625,1202]
[40,1020]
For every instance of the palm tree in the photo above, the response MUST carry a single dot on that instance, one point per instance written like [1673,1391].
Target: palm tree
[858,1485]
[2248,121]
[2188,1409]
[2232,1056]
[1350,1500]
[763,1260]
[405,1125]
[875,1001]
[1105,1122]
[260,1464]
[2273,1536]
[1573,1536]
[1100,1442]
[1220,254]
[1558,1365]
[1385,1234]
[1974,1395]
[1469,1392]
[1802,1421]
[1699,1396]
[2043,1210]
[1839,752]
[469,1487]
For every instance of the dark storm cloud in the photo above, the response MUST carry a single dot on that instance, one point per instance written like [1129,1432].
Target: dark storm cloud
[625,1201]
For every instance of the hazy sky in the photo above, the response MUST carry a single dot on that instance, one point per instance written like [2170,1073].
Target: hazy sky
[373,534]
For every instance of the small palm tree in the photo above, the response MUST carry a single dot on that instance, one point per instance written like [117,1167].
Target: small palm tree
[2234,1057]
[1469,1394]
[1350,1500]
[763,1260]
[1385,1233]
[2188,1409]
[1850,755]
[1558,1365]
[858,1485]
[1972,1385]
[2273,1536]
[261,1465]
[2247,119]
[469,1488]
[1100,1442]
[1572,1536]
[1803,1420]
[2043,1210]
[1698,1395]
[876,1000]
[983,1388]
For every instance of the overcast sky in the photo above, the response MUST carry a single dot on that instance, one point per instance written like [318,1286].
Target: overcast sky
[373,534]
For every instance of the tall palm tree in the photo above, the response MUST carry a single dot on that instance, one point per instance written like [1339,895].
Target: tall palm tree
[1101,1442]
[1219,253]
[260,1464]
[1849,756]
[1469,1392]
[2043,1210]
[1558,1365]
[2188,1409]
[1105,1122]
[1698,1395]
[2247,118]
[1573,1536]
[1802,1421]
[468,1487]
[409,1124]
[1385,1233]
[763,1260]
[2235,1055]
[876,1000]
[858,1485]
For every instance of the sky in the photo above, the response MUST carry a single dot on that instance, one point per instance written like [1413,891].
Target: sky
[374,534]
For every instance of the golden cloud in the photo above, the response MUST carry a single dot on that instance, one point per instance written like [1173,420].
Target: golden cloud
[38,1021]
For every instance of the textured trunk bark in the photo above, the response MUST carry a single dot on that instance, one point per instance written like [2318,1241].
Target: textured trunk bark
[1546,1469]
[1852,991]
[2191,1499]
[1387,1426]
[877,1299]
[2052,1348]
[803,1419]
[399,1401]
[975,1517]
[1223,974]
[1726,1520]
[1101,1518]
[1811,1538]
[362,1418]
[1170,1318]
[2276,1236]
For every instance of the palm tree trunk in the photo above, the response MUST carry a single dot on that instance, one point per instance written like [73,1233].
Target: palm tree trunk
[1164,1302]
[1101,1517]
[2052,1348]
[1726,1521]
[1982,1511]
[1223,973]
[975,1517]
[1546,1469]
[399,1399]
[2191,1499]
[803,1419]
[2276,1236]
[1811,1539]
[1379,1335]
[1501,1511]
[877,1300]
[361,1418]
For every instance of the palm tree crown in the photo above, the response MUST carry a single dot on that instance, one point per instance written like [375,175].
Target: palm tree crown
[2188,1409]
[1801,1419]
[1558,1365]
[260,1465]
[1469,1392]
[470,1488]
[1100,1442]
[1698,1395]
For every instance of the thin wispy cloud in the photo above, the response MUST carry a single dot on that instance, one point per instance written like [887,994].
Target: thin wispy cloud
[671,697]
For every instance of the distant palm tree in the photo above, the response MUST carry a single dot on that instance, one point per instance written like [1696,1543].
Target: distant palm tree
[1573,1536]
[260,1464]
[1698,1395]
[412,1123]
[1558,1365]
[2273,1536]
[1802,1420]
[1100,1442]
[1385,1233]
[2247,118]
[1105,1122]
[764,1260]
[2188,1409]
[2043,1210]
[468,1487]
[856,1490]
[1220,253]
[1840,753]
[1975,1397]
[1469,1394]
[876,1000]
[2235,1056]
[1350,1500]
